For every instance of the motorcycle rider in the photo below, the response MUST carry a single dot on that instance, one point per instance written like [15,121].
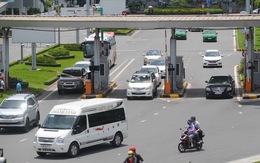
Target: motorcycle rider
[198,131]
[130,158]
[190,131]
[138,156]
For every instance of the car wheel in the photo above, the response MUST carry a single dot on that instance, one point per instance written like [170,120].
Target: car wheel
[118,139]
[73,150]
[26,128]
[36,123]
[41,154]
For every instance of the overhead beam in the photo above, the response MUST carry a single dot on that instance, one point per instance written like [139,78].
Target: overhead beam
[142,22]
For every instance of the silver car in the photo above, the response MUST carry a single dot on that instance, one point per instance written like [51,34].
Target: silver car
[19,110]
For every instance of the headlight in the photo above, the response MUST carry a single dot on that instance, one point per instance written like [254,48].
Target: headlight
[229,88]
[35,139]
[149,87]
[60,140]
[129,87]
[19,116]
[208,89]
[61,82]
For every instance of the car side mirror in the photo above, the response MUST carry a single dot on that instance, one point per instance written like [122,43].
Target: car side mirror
[206,82]
[58,75]
[127,80]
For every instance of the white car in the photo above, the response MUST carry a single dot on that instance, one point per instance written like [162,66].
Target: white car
[155,70]
[83,64]
[142,84]
[160,63]
[152,54]
[212,58]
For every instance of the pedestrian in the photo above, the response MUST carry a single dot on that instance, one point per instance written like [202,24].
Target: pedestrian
[138,156]
[130,158]
[19,86]
[2,73]
[2,86]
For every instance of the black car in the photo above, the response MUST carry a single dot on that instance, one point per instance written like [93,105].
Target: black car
[220,86]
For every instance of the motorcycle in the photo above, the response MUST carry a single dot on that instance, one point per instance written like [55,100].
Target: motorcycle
[185,144]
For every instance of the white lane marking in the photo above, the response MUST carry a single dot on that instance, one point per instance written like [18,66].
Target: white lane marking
[49,94]
[118,67]
[234,41]
[143,121]
[155,113]
[240,106]
[123,69]
[236,83]
[23,140]
[164,107]
[240,112]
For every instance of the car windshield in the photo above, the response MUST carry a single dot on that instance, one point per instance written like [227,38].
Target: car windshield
[219,79]
[140,78]
[212,54]
[180,30]
[153,52]
[13,104]
[86,66]
[59,121]
[149,69]
[158,62]
[67,73]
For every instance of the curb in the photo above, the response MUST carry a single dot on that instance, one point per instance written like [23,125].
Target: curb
[101,95]
[253,96]
[176,95]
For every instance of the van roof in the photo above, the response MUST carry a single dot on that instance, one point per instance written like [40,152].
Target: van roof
[86,105]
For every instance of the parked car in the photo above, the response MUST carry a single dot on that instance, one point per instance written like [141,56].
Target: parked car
[221,85]
[160,63]
[72,78]
[86,65]
[19,110]
[155,70]
[152,54]
[210,36]
[256,11]
[196,29]
[181,34]
[212,58]
[142,84]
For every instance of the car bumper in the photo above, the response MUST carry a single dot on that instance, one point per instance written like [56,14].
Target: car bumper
[219,94]
[212,64]
[209,39]
[16,122]
[143,93]
[50,148]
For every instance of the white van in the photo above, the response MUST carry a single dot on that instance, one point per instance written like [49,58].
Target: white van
[72,126]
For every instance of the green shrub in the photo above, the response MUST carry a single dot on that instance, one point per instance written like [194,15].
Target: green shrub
[58,52]
[241,67]
[33,11]
[44,60]
[72,47]
[183,11]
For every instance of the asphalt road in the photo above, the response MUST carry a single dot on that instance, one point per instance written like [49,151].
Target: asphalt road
[230,125]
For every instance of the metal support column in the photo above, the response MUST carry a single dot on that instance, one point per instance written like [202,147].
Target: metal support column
[97,61]
[173,49]
[34,56]
[5,55]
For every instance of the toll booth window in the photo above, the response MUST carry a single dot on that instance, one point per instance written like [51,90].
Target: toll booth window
[177,69]
[256,66]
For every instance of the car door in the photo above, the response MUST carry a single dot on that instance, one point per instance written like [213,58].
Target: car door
[31,107]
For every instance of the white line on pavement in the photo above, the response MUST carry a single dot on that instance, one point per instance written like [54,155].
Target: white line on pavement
[123,70]
[118,67]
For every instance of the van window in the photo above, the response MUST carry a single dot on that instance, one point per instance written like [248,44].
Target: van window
[81,123]
[106,117]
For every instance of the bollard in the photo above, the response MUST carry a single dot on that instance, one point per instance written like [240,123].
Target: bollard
[88,90]
[167,89]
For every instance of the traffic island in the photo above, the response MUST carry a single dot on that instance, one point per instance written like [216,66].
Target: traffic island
[103,94]
[178,94]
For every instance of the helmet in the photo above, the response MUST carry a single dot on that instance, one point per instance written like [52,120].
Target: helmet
[189,122]
[130,152]
[132,148]
[193,118]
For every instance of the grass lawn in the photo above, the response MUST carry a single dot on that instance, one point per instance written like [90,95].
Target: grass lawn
[36,78]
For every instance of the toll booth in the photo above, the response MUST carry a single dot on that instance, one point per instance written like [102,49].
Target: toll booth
[256,70]
[180,72]
[104,72]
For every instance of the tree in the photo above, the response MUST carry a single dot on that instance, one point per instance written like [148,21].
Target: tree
[179,3]
[256,3]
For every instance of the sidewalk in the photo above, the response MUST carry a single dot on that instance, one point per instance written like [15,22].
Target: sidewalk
[176,94]
[252,95]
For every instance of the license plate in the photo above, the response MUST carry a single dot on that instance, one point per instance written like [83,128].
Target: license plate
[45,146]
[218,93]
